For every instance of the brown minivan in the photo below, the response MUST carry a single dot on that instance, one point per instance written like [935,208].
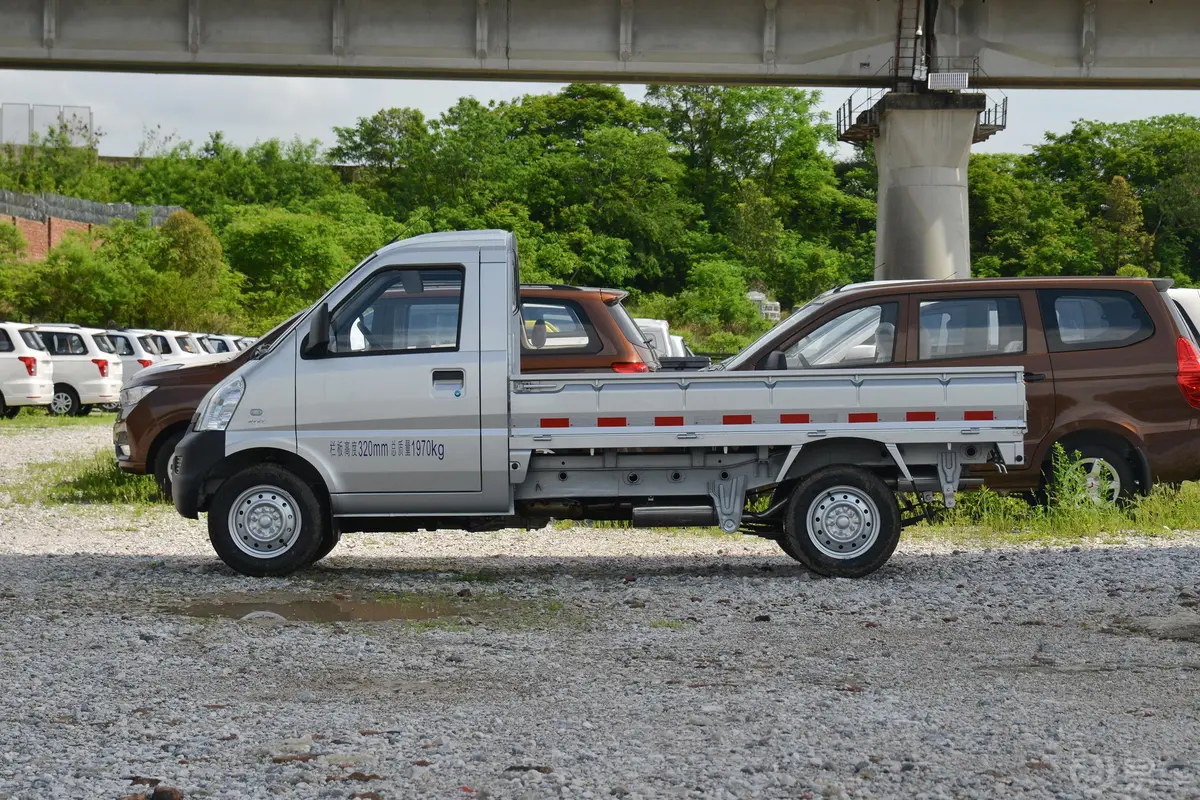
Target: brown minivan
[1111,368]
[567,329]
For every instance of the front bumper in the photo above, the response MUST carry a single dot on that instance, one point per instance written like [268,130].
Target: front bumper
[195,456]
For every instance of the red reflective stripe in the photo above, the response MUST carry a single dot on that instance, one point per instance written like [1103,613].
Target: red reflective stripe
[864,417]
[737,419]
[611,422]
[556,422]
[793,419]
[979,416]
[921,416]
[668,420]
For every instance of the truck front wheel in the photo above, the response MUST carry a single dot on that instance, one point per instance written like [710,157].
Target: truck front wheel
[842,522]
[265,522]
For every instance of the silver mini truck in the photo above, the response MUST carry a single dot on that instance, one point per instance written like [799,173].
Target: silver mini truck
[396,403]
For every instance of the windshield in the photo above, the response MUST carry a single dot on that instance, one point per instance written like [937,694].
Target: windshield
[31,338]
[205,344]
[103,343]
[268,339]
[122,345]
[185,344]
[753,349]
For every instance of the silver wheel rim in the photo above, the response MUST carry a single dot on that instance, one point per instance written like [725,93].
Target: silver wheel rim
[1099,475]
[264,522]
[842,522]
[61,403]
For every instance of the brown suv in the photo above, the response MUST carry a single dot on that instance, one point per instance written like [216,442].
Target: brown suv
[567,329]
[1111,368]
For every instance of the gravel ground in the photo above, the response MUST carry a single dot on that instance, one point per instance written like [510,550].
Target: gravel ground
[21,446]
[588,663]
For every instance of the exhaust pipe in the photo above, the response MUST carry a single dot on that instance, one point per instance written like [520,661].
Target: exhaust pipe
[673,517]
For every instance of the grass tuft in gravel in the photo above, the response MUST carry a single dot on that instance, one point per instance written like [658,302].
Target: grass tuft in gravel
[94,479]
[38,419]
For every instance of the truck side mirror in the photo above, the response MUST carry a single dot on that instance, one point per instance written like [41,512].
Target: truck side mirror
[317,341]
[776,360]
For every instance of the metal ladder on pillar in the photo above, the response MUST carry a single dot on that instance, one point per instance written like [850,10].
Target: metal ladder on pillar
[909,55]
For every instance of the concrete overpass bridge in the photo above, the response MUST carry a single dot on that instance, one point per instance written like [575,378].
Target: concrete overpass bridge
[908,47]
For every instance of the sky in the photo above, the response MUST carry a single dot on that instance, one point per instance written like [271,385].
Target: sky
[247,109]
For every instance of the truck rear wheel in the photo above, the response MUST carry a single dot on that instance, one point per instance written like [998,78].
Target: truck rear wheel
[265,521]
[842,522]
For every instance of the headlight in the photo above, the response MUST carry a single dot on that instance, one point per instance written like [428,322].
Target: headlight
[133,395]
[219,409]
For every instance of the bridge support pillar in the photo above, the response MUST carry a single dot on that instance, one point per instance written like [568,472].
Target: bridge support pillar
[922,149]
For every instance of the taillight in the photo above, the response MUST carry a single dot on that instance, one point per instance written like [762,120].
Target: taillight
[30,363]
[630,366]
[102,363]
[145,362]
[1189,371]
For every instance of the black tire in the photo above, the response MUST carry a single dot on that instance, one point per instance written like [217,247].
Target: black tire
[110,407]
[870,507]
[307,515]
[7,411]
[1094,456]
[84,411]
[332,537]
[65,402]
[162,463]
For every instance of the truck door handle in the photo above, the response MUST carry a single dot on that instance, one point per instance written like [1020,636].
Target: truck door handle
[1034,377]
[448,376]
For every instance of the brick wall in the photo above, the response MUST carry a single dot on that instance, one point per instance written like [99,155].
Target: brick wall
[41,236]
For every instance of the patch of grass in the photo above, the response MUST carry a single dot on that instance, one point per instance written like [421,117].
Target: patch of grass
[38,418]
[94,479]
[666,623]
[1069,515]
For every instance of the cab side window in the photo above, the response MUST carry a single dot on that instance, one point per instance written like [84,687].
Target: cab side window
[400,310]
[968,327]
[859,337]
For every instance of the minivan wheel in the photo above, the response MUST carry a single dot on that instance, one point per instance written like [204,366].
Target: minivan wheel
[7,411]
[265,521]
[332,537]
[64,402]
[1107,475]
[842,522]
[162,463]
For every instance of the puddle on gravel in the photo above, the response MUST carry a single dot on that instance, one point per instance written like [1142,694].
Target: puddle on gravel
[306,608]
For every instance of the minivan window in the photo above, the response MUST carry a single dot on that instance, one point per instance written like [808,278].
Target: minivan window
[215,345]
[122,345]
[103,343]
[1091,319]
[31,338]
[65,344]
[155,344]
[401,310]
[976,326]
[566,327]
[6,345]
[865,335]
[185,344]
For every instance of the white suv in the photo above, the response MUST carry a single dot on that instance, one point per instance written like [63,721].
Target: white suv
[173,345]
[87,369]
[136,351]
[26,372]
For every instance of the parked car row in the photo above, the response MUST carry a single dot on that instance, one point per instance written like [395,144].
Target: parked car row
[69,369]
[1112,365]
